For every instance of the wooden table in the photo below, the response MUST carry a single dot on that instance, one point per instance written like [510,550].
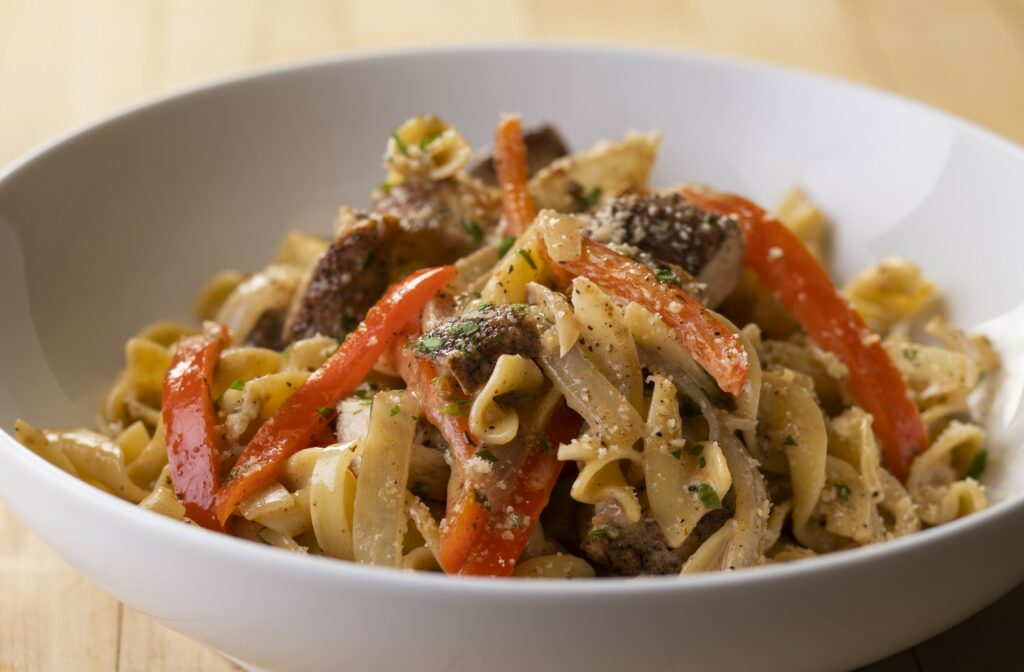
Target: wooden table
[64,61]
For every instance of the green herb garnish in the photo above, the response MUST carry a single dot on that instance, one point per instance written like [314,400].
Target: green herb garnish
[467,328]
[385,187]
[529,260]
[978,464]
[677,453]
[696,449]
[481,498]
[428,343]
[505,245]
[702,462]
[910,354]
[401,145]
[473,230]
[844,492]
[425,142]
[485,454]
[238,384]
[708,497]
[325,412]
[666,277]
[395,410]
[590,199]
[602,532]
[348,325]
[790,441]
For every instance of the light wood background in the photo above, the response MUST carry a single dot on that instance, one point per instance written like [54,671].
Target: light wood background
[63,62]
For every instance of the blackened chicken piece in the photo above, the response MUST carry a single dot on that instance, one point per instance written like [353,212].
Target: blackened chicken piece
[440,220]
[673,230]
[347,280]
[468,346]
[623,548]
[267,333]
[544,144]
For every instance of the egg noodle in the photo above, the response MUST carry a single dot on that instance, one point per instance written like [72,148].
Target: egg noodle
[630,381]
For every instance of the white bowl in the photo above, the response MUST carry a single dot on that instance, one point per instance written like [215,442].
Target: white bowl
[120,223]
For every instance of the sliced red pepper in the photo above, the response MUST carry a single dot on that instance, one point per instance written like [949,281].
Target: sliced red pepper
[802,285]
[513,178]
[305,414]
[480,536]
[193,444]
[497,548]
[710,342]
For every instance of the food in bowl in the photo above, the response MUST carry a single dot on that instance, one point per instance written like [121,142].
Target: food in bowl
[536,364]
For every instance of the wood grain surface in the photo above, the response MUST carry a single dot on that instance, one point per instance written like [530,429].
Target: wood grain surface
[63,62]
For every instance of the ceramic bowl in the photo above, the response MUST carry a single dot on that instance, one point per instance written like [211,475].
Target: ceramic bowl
[120,223]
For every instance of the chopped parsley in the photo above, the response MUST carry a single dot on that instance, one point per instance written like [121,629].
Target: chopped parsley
[473,230]
[591,198]
[466,328]
[385,187]
[481,498]
[696,449]
[545,445]
[529,259]
[677,453]
[844,492]
[708,497]
[429,343]
[978,464]
[602,532]
[348,325]
[401,145]
[485,454]
[425,142]
[325,412]
[459,407]
[790,441]
[238,384]
[910,354]
[395,410]
[666,277]
[702,462]
[505,245]
[520,307]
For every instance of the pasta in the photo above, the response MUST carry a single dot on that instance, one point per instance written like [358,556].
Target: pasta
[625,385]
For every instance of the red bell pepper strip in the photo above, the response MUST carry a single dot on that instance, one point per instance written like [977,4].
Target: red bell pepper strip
[193,444]
[510,165]
[803,287]
[701,334]
[305,414]
[476,538]
[505,534]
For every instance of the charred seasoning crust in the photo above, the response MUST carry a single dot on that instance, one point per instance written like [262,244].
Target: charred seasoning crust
[469,346]
[666,225]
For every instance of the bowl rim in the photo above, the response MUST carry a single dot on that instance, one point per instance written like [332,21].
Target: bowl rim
[328,570]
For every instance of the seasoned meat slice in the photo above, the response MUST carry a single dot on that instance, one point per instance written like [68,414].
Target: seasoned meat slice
[416,223]
[347,280]
[267,331]
[468,346]
[544,144]
[675,231]
[623,548]
[440,220]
